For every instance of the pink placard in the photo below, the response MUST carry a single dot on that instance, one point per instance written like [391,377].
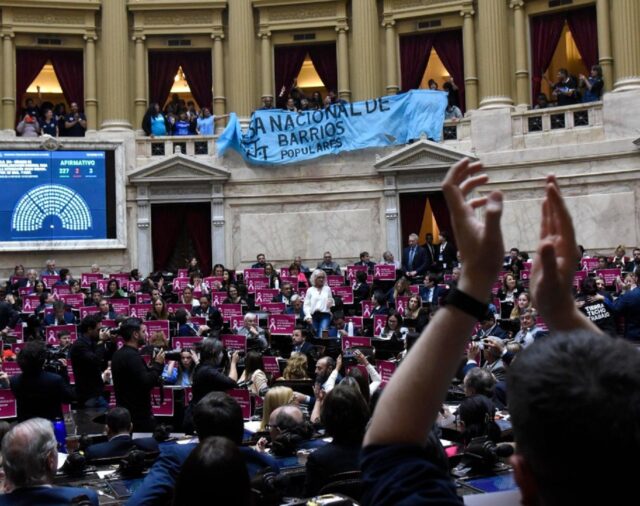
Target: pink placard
[51,333]
[541,324]
[217,298]
[234,342]
[255,284]
[289,279]
[379,323]
[120,277]
[75,300]
[112,395]
[252,274]
[351,272]
[589,263]
[72,377]
[61,290]
[213,282]
[447,278]
[345,292]
[265,295]
[384,272]
[367,308]
[157,326]
[353,342]
[402,303]
[101,284]
[8,405]
[87,278]
[139,310]
[162,405]
[386,368]
[172,308]
[333,280]
[578,277]
[236,322]
[87,310]
[273,307]
[16,347]
[179,284]
[242,397]
[302,292]
[132,286]
[414,289]
[495,288]
[108,323]
[229,310]
[188,395]
[11,368]
[271,366]
[281,324]
[356,320]
[525,275]
[502,274]
[120,306]
[609,275]
[185,343]
[143,298]
[284,272]
[18,332]
[30,303]
[199,320]
[24,291]
[183,273]
[50,279]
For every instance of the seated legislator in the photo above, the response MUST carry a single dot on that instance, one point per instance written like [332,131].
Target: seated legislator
[576,370]
[253,332]
[119,427]
[30,461]
[60,315]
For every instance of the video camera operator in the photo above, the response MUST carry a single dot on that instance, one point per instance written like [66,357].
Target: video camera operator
[133,380]
[38,393]
[89,356]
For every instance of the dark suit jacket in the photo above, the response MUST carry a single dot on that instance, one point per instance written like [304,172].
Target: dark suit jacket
[50,319]
[419,260]
[40,395]
[119,446]
[158,485]
[448,256]
[306,348]
[331,459]
[213,316]
[8,316]
[89,360]
[53,496]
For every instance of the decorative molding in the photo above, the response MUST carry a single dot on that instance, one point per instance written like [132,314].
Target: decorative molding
[287,13]
[391,214]
[178,167]
[407,4]
[516,4]
[35,17]
[421,155]
[175,18]
[218,222]
[143,224]
[50,143]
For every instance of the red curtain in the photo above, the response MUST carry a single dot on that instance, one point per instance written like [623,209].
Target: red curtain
[198,220]
[583,24]
[197,68]
[69,69]
[448,45]
[545,35]
[166,222]
[288,61]
[411,213]
[414,57]
[441,214]
[163,66]
[324,60]
[29,63]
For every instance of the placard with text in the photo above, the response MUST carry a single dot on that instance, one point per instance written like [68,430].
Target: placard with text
[281,324]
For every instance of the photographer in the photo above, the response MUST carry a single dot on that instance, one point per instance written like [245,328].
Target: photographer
[89,357]
[133,380]
[38,393]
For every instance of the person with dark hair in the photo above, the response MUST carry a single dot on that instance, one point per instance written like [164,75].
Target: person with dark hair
[574,387]
[118,428]
[90,355]
[180,372]
[345,415]
[479,381]
[596,307]
[60,315]
[593,85]
[380,301]
[261,261]
[365,260]
[628,306]
[9,318]
[186,327]
[216,464]
[492,349]
[211,313]
[30,461]
[75,123]
[253,375]
[133,380]
[38,393]
[216,414]
[477,413]
[565,89]
[489,327]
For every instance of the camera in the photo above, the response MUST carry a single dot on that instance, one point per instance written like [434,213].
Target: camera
[349,357]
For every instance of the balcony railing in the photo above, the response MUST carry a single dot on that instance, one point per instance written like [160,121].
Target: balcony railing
[192,145]
[571,117]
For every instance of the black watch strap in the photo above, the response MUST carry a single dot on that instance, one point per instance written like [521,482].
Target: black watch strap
[467,304]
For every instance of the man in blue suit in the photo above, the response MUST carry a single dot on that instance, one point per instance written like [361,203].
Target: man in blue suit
[60,315]
[120,443]
[414,258]
[216,414]
[30,459]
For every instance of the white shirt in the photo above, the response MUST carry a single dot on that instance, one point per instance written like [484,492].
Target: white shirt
[317,300]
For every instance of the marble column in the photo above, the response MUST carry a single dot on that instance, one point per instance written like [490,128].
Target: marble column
[604,43]
[493,54]
[344,89]
[140,99]
[267,67]
[218,248]
[8,83]
[242,67]
[393,86]
[365,43]
[625,15]
[219,99]
[523,93]
[116,108]
[90,89]
[469,49]
[143,236]
[392,217]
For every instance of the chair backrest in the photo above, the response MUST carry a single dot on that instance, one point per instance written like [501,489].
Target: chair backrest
[349,484]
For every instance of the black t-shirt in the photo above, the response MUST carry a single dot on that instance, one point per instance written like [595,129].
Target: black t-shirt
[49,128]
[76,130]
[599,314]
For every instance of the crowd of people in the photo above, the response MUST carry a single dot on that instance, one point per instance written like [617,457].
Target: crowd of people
[43,118]
[569,90]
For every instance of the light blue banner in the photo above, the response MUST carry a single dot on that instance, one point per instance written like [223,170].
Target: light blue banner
[279,137]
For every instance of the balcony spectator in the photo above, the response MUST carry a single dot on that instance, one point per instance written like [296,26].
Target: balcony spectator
[75,123]
[154,123]
[205,122]
[432,84]
[452,112]
[60,113]
[31,108]
[592,85]
[315,102]
[291,105]
[565,90]
[49,124]
[28,126]
[182,126]
[452,89]
[542,102]
[304,104]
[267,103]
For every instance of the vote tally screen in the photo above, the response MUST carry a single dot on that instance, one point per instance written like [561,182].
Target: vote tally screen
[52,195]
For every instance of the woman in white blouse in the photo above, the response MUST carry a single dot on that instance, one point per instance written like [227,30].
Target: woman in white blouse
[318,302]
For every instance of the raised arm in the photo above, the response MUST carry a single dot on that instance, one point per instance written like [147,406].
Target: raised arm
[409,404]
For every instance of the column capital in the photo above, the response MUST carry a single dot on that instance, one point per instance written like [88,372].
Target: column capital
[7,35]
[467,11]
[516,4]
[217,35]
[139,37]
[388,23]
[90,37]
[342,28]
[264,34]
